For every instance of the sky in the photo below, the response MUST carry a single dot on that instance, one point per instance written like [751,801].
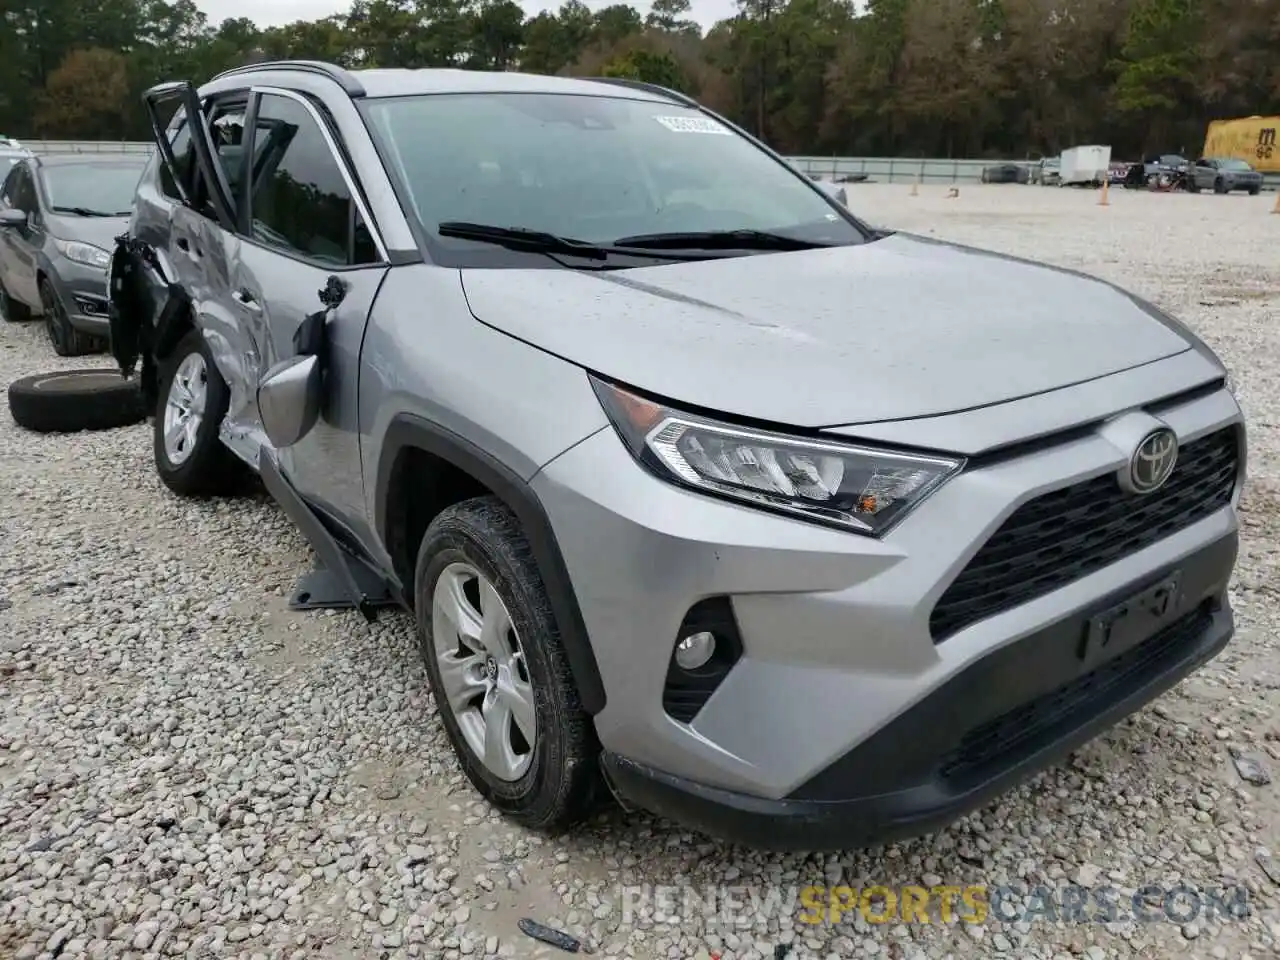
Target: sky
[272,13]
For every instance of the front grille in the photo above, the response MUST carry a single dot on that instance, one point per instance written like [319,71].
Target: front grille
[1048,717]
[1064,535]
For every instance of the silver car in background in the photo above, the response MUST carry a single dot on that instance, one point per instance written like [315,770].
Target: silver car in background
[59,217]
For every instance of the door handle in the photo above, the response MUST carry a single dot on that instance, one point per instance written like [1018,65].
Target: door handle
[185,246]
[246,300]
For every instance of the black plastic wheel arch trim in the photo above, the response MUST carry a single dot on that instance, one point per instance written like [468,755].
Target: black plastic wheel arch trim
[408,431]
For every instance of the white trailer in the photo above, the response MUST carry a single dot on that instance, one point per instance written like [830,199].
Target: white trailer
[1086,165]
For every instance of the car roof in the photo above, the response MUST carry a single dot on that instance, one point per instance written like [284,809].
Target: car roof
[87,159]
[400,81]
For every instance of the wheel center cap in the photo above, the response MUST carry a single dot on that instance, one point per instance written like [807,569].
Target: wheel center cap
[491,669]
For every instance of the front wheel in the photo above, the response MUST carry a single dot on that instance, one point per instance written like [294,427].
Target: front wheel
[1219,186]
[1254,191]
[190,458]
[498,670]
[65,339]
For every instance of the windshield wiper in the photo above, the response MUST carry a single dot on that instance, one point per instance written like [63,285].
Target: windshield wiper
[82,211]
[718,240]
[538,241]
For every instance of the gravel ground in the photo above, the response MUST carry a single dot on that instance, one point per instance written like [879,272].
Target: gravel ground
[189,769]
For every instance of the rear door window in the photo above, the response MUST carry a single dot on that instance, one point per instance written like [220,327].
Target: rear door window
[226,118]
[184,155]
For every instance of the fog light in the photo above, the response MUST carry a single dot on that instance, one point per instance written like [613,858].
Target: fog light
[695,650]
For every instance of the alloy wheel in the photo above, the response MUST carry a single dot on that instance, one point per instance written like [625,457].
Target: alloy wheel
[483,671]
[184,408]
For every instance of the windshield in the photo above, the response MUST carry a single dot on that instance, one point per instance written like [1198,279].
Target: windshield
[1234,165]
[100,188]
[597,169]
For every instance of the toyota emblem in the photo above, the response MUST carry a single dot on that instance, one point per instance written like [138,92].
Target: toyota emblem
[1152,463]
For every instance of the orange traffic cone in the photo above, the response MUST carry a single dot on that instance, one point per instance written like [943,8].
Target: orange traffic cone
[1103,201]
[1276,208]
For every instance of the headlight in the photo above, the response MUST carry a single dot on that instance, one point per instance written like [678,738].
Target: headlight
[858,489]
[85,253]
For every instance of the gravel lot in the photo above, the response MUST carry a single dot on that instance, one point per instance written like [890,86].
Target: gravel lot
[189,769]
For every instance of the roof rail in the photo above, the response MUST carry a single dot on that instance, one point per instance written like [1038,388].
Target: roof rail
[649,88]
[344,78]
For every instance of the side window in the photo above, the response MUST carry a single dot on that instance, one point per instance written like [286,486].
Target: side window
[9,190]
[300,202]
[24,193]
[184,155]
[226,124]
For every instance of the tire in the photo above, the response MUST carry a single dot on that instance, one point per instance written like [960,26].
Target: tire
[68,401]
[197,464]
[14,312]
[1254,191]
[1219,186]
[65,339]
[1193,187]
[558,784]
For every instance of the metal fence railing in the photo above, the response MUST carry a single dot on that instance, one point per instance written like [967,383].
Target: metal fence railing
[894,169]
[87,146]
[874,169]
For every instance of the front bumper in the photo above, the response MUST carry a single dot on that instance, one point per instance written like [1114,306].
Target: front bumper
[995,724]
[842,705]
[83,292]
[1238,182]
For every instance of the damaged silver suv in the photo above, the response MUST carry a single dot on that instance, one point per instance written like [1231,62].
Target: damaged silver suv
[801,533]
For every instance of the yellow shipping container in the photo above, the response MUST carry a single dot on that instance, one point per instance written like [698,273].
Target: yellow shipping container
[1252,139]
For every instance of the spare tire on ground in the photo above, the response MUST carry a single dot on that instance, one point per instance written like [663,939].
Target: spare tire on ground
[68,401]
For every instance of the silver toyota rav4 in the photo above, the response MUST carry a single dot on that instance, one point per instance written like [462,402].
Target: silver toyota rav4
[801,533]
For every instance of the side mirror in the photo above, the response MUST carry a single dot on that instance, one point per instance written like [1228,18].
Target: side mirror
[289,399]
[13,218]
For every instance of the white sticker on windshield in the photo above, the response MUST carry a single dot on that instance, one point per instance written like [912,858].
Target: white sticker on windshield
[692,125]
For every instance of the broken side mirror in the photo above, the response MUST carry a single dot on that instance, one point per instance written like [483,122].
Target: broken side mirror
[290,398]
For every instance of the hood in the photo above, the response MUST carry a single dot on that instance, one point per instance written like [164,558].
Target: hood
[99,231]
[899,328]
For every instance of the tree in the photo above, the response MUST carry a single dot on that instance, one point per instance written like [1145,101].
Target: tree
[1161,61]
[497,30]
[85,97]
[999,78]
[546,49]
[646,66]
[615,23]
[672,16]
